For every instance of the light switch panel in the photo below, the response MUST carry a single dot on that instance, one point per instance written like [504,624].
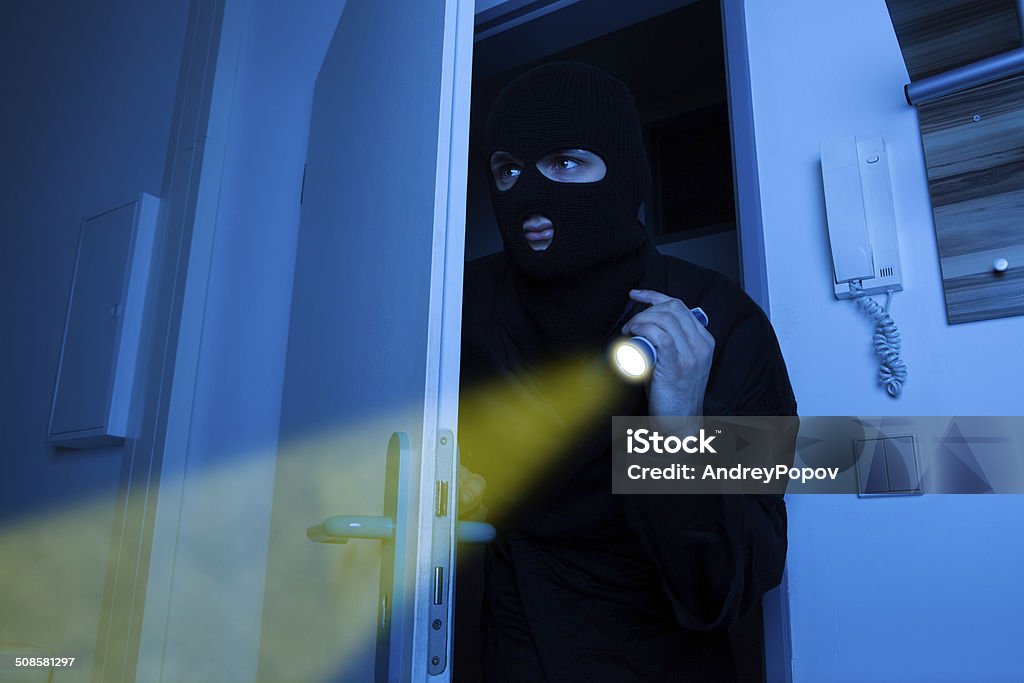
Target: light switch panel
[901,465]
[887,466]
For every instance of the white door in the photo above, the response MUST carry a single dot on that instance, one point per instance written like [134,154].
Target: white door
[373,351]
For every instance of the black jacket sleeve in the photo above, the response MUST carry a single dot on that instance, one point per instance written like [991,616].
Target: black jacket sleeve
[718,554]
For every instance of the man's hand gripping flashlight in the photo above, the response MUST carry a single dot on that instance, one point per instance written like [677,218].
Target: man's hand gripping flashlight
[635,357]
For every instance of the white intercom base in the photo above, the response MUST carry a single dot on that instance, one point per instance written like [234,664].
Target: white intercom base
[862,225]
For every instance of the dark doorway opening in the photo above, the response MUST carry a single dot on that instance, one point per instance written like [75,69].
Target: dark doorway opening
[674,63]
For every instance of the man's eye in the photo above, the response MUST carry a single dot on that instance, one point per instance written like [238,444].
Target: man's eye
[509,172]
[565,163]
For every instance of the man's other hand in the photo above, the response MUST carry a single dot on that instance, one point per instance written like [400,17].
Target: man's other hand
[471,495]
[684,348]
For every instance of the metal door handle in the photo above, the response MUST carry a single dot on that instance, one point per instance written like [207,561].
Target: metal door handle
[393,596]
[342,528]
[474,532]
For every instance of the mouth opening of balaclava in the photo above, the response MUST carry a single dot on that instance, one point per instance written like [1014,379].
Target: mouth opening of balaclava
[576,288]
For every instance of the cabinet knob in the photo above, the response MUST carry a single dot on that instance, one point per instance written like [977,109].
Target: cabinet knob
[1000,265]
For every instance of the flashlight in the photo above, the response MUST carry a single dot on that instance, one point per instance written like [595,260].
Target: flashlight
[635,357]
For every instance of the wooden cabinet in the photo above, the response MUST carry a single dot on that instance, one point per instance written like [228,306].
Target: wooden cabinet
[974,150]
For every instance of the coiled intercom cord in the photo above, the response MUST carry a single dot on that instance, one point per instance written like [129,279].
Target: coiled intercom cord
[892,373]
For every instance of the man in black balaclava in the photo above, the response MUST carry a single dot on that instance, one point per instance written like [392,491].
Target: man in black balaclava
[580,584]
[575,288]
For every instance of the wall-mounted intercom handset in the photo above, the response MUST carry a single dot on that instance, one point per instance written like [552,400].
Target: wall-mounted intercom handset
[862,236]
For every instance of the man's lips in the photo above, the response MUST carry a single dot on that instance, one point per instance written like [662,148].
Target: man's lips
[540,234]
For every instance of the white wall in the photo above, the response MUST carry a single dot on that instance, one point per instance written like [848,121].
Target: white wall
[88,97]
[903,589]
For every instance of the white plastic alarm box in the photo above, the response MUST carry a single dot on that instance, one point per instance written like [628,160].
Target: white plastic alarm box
[98,358]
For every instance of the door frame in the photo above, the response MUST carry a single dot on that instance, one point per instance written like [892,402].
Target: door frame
[136,585]
[778,649]
[749,229]
[749,226]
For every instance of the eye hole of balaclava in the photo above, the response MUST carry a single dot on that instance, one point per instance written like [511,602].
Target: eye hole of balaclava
[560,166]
[537,121]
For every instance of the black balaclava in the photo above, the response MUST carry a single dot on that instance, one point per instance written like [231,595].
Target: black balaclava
[577,288]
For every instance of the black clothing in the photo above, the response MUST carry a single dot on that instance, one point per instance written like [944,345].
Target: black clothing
[569,315]
[583,585]
[596,254]
[568,105]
